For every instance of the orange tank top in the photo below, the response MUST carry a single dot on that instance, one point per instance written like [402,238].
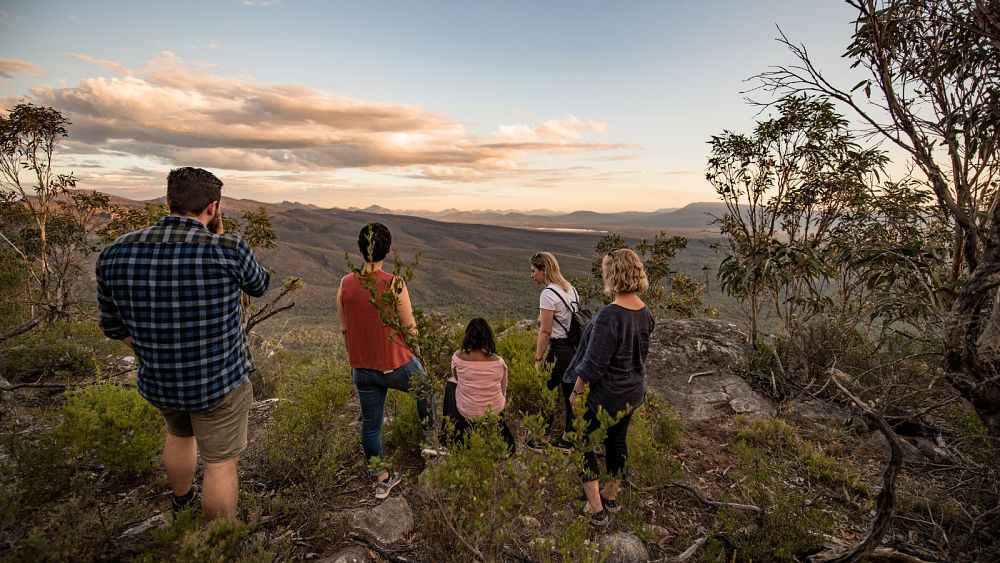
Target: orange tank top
[370,344]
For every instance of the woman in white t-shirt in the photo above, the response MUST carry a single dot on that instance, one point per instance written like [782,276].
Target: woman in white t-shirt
[552,346]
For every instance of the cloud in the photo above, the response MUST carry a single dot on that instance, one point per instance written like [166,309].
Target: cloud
[183,114]
[10,67]
[113,66]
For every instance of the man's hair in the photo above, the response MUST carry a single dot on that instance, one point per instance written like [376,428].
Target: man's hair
[623,272]
[190,190]
[374,241]
[479,336]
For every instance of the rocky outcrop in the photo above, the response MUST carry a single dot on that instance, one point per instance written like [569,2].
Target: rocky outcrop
[694,364]
[388,522]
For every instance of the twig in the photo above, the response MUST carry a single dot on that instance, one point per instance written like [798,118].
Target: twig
[687,553]
[697,495]
[699,374]
[376,546]
[461,538]
[62,385]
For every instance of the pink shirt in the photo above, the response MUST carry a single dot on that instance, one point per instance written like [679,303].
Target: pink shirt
[482,386]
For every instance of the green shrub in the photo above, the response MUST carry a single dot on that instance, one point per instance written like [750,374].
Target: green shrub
[41,356]
[124,430]
[310,440]
[488,496]
[526,391]
[41,471]
[402,425]
[652,436]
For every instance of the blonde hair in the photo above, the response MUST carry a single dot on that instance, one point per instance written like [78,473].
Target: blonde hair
[623,272]
[547,263]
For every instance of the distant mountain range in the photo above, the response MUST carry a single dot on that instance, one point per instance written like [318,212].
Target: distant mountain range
[472,262]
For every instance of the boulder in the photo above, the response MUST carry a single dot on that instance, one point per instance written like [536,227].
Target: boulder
[350,554]
[694,364]
[623,548]
[388,522]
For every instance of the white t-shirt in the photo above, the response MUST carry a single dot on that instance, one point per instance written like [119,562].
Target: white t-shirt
[550,302]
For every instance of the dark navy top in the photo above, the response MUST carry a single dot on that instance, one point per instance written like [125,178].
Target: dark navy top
[612,358]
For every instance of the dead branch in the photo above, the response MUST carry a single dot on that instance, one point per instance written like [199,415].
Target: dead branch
[687,553]
[886,497]
[382,550]
[17,331]
[258,318]
[694,492]
[699,374]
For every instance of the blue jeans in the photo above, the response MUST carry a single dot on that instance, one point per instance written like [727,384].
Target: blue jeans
[372,386]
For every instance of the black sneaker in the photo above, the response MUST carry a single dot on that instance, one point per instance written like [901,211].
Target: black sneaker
[600,519]
[189,500]
[611,506]
[560,444]
[536,445]
[382,488]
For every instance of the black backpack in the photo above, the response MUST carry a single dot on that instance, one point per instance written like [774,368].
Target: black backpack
[578,318]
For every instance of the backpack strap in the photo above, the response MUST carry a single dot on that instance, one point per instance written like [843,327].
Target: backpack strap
[568,308]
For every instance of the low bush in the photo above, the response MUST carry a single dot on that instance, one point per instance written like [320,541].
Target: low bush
[42,356]
[526,391]
[38,472]
[125,432]
[310,440]
[490,498]
[652,436]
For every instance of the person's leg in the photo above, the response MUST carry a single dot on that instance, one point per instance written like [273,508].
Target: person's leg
[221,432]
[563,356]
[616,455]
[554,382]
[462,427]
[371,397]
[221,489]
[412,378]
[450,411]
[180,458]
[508,436]
[591,485]
[567,393]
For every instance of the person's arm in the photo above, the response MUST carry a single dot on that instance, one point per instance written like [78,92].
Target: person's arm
[340,311]
[601,344]
[406,320]
[545,317]
[253,278]
[110,319]
[503,382]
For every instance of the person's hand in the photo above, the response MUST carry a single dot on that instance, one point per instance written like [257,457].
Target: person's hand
[219,227]
[127,340]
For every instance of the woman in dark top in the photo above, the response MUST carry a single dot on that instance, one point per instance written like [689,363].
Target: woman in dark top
[611,361]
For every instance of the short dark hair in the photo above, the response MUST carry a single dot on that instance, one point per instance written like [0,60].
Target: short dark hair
[374,241]
[479,336]
[190,190]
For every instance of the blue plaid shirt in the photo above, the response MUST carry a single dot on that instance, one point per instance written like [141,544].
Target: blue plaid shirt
[175,289]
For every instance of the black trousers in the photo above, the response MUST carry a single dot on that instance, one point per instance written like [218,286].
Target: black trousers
[615,447]
[560,355]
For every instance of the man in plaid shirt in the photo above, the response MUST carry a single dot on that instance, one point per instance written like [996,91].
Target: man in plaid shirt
[172,292]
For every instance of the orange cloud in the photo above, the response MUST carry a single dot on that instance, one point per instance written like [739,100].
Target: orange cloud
[183,115]
[10,67]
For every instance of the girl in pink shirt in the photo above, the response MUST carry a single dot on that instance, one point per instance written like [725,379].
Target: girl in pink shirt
[481,379]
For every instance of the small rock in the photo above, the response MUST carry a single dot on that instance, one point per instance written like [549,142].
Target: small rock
[932,451]
[530,521]
[154,521]
[126,362]
[623,548]
[658,533]
[350,554]
[388,522]
[875,442]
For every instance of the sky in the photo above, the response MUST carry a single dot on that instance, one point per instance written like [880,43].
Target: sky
[561,105]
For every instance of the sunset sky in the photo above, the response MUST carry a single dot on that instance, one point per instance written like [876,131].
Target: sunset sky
[604,106]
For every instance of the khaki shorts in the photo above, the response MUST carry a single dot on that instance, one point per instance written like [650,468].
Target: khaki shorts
[221,431]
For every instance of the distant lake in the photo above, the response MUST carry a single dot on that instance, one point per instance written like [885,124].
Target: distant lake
[566,230]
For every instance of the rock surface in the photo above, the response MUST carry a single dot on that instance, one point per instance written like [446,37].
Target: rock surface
[388,522]
[694,363]
[623,548]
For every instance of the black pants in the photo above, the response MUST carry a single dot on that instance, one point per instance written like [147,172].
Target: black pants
[463,425]
[615,447]
[560,355]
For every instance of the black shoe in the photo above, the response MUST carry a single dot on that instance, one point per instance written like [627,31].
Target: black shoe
[611,506]
[192,499]
[536,445]
[600,519]
[560,444]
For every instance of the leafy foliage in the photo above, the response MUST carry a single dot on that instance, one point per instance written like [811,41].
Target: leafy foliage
[124,430]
